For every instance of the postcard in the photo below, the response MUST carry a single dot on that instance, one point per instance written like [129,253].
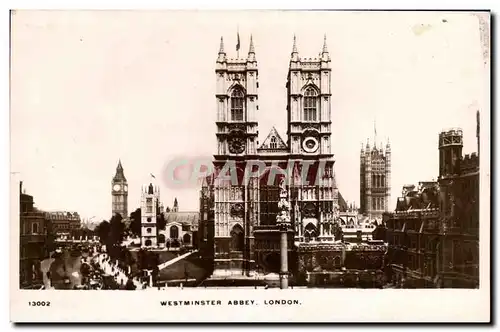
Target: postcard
[250,166]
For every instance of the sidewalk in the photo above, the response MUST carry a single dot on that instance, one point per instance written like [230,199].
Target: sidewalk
[176,259]
[112,269]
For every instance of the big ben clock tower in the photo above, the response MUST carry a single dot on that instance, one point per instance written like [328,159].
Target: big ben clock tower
[119,192]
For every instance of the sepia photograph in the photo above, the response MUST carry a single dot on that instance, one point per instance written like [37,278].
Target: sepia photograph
[219,152]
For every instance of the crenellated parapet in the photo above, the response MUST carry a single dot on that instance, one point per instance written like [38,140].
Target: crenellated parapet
[469,163]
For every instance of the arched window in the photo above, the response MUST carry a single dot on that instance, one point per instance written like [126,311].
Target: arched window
[148,230]
[310,104]
[237,103]
[148,243]
[310,232]
[34,228]
[337,261]
[274,144]
[161,238]
[269,196]
[237,238]
[186,239]
[174,232]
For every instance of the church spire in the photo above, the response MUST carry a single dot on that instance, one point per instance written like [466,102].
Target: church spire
[251,50]
[325,56]
[295,53]
[119,172]
[222,53]
[175,208]
[221,49]
[325,49]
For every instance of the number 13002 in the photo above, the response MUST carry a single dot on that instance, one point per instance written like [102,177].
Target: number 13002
[39,303]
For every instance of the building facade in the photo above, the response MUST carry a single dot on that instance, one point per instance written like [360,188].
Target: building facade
[64,223]
[342,264]
[36,241]
[413,236]
[375,181]
[181,229]
[458,260]
[238,226]
[149,209]
[434,233]
[119,193]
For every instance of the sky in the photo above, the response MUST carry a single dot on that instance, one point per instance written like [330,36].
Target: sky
[91,87]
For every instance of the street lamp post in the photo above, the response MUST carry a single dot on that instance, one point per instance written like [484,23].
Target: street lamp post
[283,222]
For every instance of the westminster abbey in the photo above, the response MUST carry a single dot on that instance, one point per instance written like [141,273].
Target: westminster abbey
[238,221]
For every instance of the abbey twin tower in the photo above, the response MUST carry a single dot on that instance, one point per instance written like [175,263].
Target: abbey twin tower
[238,220]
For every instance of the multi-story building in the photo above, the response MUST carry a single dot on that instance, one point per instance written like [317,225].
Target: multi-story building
[119,193]
[413,236]
[238,231]
[375,181]
[458,260]
[181,229]
[149,209]
[356,228]
[246,237]
[64,223]
[36,241]
[434,233]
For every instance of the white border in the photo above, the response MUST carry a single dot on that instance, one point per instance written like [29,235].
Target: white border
[317,305]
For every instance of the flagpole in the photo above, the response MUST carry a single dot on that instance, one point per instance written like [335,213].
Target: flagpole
[238,44]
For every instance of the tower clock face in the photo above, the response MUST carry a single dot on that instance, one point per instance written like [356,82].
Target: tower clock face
[310,144]
[116,187]
[237,145]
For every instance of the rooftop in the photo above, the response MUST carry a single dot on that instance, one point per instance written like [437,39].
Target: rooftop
[186,218]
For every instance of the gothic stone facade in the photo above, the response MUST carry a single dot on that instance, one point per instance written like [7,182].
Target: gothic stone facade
[238,226]
[434,233]
[375,181]
[119,193]
[149,211]
[341,264]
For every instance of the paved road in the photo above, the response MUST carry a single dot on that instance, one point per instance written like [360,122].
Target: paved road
[176,259]
[111,269]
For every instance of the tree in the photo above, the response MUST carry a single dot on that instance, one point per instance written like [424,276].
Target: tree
[135,224]
[86,232]
[160,222]
[117,229]
[103,230]
[142,259]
